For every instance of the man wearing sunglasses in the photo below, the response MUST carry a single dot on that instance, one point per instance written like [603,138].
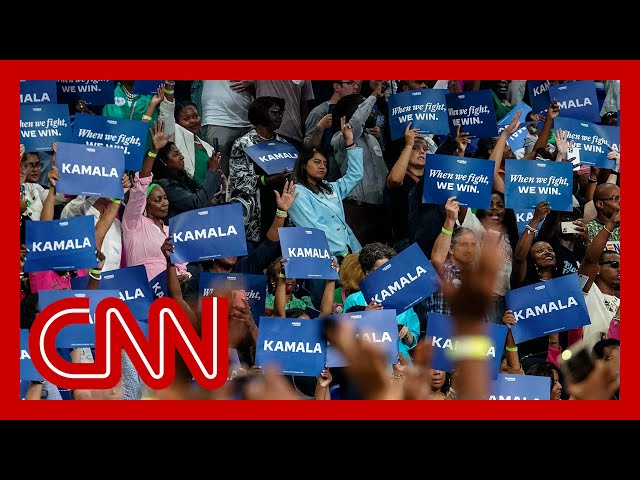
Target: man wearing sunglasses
[601,269]
[606,200]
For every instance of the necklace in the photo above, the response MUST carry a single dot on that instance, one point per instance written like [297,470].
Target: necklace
[263,138]
[130,96]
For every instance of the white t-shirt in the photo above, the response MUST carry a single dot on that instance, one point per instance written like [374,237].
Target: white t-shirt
[503,284]
[223,107]
[601,308]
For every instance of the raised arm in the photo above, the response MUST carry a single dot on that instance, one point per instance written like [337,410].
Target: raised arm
[284,203]
[153,104]
[397,173]
[53,176]
[361,114]
[498,151]
[167,114]
[315,128]
[545,134]
[173,284]
[280,298]
[355,169]
[519,265]
[326,304]
[442,245]
[591,261]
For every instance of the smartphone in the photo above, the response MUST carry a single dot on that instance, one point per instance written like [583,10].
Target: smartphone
[568,227]
[215,145]
[400,326]
[578,365]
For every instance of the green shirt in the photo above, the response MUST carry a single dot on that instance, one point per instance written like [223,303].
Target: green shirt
[594,227]
[202,165]
[302,303]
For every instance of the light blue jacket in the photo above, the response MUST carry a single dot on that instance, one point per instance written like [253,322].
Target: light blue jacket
[325,211]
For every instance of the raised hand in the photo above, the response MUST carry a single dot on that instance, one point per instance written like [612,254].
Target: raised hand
[324,122]
[554,110]
[462,140]
[373,305]
[167,248]
[410,135]
[513,124]
[158,97]
[452,208]
[614,154]
[509,318]
[126,183]
[325,378]
[347,132]
[54,173]
[157,135]
[542,210]
[284,201]
[101,258]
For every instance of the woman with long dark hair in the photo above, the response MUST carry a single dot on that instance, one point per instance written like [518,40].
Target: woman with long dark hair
[319,203]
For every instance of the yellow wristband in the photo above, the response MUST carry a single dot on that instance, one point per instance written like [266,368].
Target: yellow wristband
[447,232]
[511,349]
[152,154]
[115,200]
[470,347]
[282,275]
[262,180]
[147,117]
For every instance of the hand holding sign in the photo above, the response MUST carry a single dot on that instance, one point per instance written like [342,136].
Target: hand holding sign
[373,305]
[126,183]
[541,212]
[166,249]
[554,110]
[452,208]
[462,140]
[22,151]
[54,173]
[410,135]
[614,154]
[213,164]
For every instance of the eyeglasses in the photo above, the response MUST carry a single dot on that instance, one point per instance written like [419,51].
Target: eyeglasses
[614,263]
[33,166]
[615,198]
[277,113]
[353,83]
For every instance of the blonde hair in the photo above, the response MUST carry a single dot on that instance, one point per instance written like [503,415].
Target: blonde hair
[351,273]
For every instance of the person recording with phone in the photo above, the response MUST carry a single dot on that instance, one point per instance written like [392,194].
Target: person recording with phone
[567,234]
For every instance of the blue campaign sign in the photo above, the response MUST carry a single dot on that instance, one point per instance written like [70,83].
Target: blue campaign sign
[376,326]
[76,335]
[208,233]
[60,244]
[147,87]
[307,252]
[158,285]
[527,183]
[591,142]
[27,371]
[523,217]
[473,112]
[547,307]
[42,125]
[273,157]
[470,180]
[577,100]
[425,109]
[440,329]
[133,289]
[296,347]
[539,95]
[93,92]
[38,91]
[506,120]
[402,282]
[123,134]
[520,387]
[91,171]
[254,287]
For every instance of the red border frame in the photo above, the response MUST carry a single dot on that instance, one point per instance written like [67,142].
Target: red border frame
[12,407]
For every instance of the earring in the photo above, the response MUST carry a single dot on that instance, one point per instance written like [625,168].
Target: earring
[297,288]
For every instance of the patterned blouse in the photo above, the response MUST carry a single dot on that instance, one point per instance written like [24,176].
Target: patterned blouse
[244,182]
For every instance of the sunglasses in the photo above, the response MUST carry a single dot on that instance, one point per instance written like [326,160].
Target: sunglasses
[614,263]
[615,198]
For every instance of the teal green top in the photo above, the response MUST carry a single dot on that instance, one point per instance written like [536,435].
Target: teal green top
[202,165]
[134,111]
[295,302]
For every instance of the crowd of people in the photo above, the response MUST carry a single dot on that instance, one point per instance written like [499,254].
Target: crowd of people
[364,190]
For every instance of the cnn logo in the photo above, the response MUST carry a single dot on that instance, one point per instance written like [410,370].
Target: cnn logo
[206,355]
